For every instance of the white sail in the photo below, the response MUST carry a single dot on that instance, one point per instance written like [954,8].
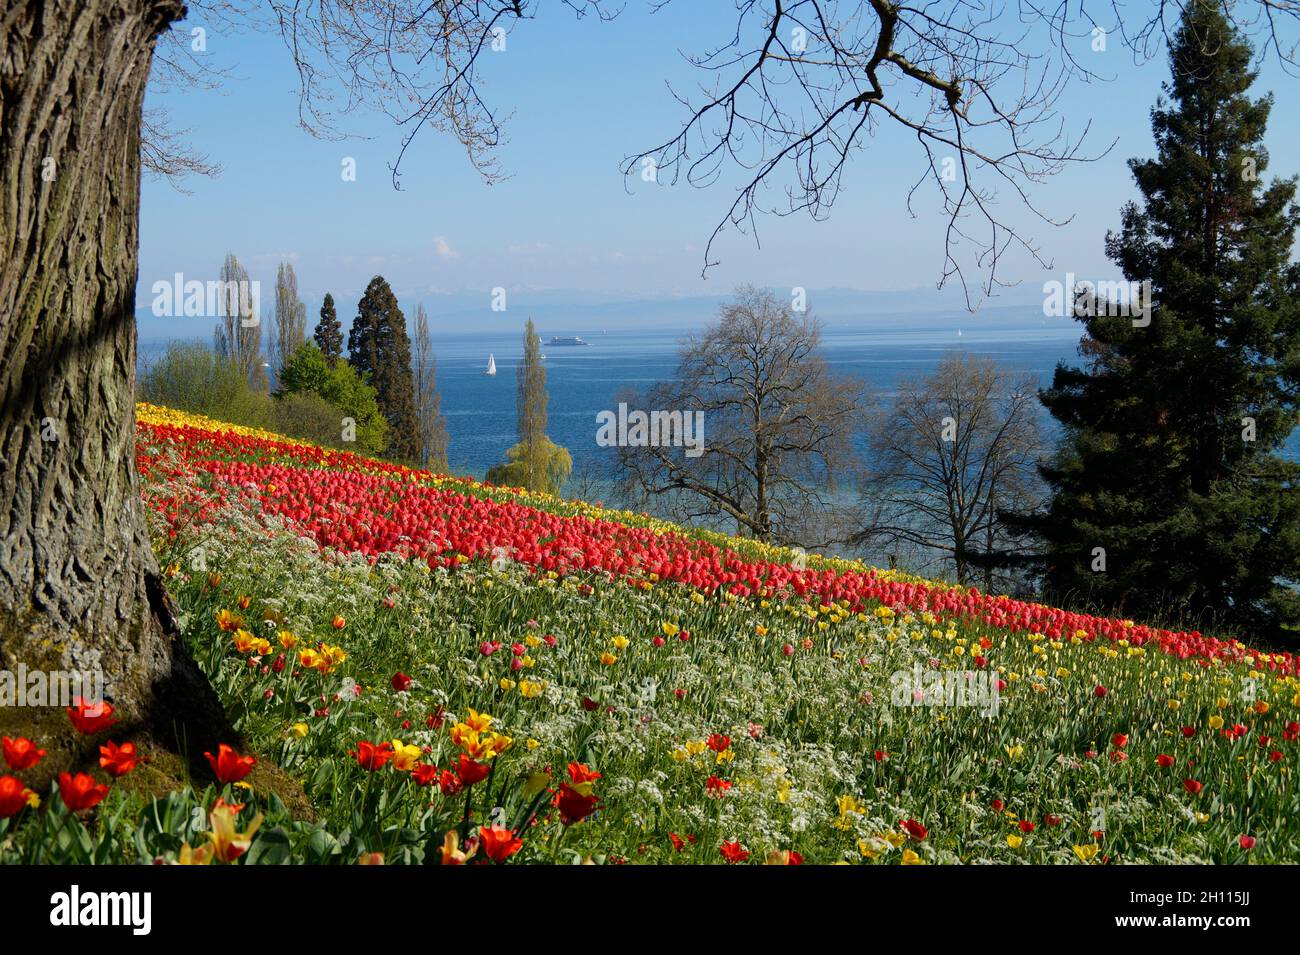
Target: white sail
[492,365]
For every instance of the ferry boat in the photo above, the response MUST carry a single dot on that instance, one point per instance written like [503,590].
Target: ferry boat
[575,340]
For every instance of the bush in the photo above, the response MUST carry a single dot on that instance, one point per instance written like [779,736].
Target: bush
[310,417]
[308,372]
[552,468]
[190,377]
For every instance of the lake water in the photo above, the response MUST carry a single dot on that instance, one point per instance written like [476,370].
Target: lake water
[583,381]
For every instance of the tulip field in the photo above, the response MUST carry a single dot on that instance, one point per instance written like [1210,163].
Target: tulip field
[458,673]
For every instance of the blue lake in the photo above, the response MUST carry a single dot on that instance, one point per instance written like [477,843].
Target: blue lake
[583,381]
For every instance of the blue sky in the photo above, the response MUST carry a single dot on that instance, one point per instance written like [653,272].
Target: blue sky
[584,94]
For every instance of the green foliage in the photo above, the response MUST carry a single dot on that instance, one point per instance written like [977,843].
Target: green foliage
[1169,463]
[193,378]
[380,349]
[535,462]
[309,372]
[542,466]
[309,416]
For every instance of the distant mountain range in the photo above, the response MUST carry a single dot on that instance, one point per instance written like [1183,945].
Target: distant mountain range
[571,311]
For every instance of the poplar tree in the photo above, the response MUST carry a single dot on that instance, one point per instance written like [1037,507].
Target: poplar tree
[428,402]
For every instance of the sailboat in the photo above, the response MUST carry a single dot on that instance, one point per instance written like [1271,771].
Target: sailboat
[492,366]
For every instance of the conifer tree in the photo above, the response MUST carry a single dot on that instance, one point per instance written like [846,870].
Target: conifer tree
[1168,497]
[379,348]
[329,331]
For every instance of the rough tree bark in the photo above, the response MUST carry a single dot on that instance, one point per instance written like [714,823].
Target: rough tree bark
[78,581]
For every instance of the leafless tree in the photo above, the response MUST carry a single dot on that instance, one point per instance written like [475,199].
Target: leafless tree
[237,339]
[289,331]
[952,450]
[802,85]
[778,426]
[785,101]
[428,402]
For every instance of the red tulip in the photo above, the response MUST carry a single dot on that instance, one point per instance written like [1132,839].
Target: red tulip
[733,852]
[21,753]
[13,796]
[1247,842]
[716,787]
[80,791]
[90,718]
[118,760]
[915,829]
[228,766]
[400,682]
[425,774]
[499,842]
[471,772]
[1192,786]
[573,805]
[1164,761]
[372,756]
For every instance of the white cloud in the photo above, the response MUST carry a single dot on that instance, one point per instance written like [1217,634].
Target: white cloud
[443,250]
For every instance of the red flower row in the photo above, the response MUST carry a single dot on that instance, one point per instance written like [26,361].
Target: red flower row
[353,504]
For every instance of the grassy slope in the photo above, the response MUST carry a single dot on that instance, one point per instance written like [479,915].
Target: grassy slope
[825,755]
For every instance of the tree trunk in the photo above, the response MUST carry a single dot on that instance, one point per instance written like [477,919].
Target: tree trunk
[79,586]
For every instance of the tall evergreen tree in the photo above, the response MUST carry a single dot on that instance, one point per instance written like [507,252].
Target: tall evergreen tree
[329,331]
[1168,496]
[379,348]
